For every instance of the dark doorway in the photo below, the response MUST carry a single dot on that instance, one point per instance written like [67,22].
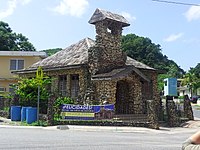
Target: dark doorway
[122,98]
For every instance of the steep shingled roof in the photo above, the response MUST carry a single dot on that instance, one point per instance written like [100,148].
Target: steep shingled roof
[100,15]
[76,54]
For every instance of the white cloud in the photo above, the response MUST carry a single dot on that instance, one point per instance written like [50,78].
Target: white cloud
[128,16]
[9,11]
[193,13]
[24,2]
[12,5]
[173,37]
[71,7]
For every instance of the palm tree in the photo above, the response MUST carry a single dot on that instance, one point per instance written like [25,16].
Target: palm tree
[192,81]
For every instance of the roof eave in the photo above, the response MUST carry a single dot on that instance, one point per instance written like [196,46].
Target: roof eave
[33,70]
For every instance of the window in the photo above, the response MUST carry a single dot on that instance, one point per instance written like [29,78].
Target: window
[11,89]
[63,85]
[16,64]
[2,89]
[74,85]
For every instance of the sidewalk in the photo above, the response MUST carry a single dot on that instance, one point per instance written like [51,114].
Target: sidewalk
[7,123]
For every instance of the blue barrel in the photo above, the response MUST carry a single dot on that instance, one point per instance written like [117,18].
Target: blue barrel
[23,113]
[15,113]
[31,115]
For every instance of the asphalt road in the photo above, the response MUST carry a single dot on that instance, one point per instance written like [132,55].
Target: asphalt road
[101,139]
[196,112]
[88,138]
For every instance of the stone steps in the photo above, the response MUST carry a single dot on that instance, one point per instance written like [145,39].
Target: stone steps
[132,117]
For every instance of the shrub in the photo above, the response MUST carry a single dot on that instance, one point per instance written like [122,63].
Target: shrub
[58,103]
[27,91]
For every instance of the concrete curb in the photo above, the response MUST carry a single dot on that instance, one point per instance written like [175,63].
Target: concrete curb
[7,123]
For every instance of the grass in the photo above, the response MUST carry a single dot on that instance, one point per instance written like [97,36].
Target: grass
[36,123]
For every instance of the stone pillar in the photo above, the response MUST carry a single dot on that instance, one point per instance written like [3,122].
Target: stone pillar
[68,85]
[50,110]
[188,108]
[173,119]
[156,96]
[54,85]
[151,114]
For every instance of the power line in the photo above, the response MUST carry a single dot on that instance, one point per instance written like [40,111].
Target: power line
[178,3]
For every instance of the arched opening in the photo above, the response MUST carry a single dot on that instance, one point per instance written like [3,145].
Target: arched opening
[122,98]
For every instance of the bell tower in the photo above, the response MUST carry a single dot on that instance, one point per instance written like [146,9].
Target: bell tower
[107,54]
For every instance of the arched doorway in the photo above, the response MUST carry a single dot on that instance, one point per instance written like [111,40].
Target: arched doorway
[122,97]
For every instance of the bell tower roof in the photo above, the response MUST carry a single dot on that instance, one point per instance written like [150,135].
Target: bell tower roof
[100,15]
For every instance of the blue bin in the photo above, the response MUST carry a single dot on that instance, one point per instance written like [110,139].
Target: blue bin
[23,113]
[15,113]
[31,115]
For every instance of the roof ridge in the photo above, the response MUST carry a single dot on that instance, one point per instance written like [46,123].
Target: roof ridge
[87,41]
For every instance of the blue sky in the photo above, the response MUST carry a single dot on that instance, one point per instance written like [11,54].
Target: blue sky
[59,23]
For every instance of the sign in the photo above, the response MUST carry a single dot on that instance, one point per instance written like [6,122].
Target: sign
[39,74]
[170,87]
[87,112]
[39,77]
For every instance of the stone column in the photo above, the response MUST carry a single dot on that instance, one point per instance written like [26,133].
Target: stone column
[68,85]
[50,110]
[173,119]
[54,85]
[188,108]
[156,96]
[151,114]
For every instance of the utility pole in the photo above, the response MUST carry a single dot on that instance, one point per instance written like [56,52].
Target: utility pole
[39,77]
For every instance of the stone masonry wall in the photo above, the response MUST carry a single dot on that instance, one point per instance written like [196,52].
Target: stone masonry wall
[84,80]
[107,53]
[152,75]
[106,90]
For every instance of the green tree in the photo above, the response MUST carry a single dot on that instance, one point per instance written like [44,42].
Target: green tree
[196,70]
[192,81]
[23,44]
[11,41]
[52,51]
[143,50]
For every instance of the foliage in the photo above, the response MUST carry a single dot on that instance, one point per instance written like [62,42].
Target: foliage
[63,100]
[196,70]
[36,123]
[58,103]
[161,78]
[27,90]
[11,41]
[52,51]
[143,50]
[6,109]
[181,97]
[192,81]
